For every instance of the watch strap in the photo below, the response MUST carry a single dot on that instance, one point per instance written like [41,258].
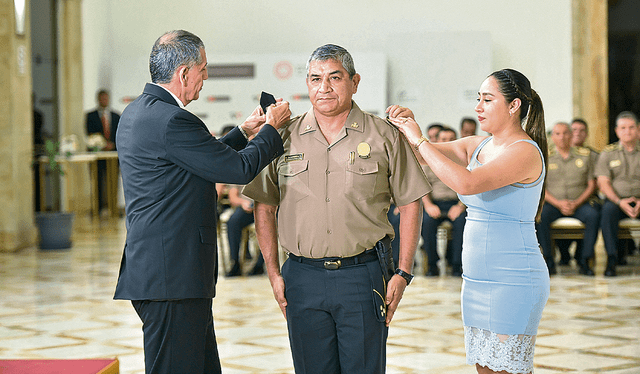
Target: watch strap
[407,277]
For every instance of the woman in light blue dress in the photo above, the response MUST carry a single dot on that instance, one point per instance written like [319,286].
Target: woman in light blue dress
[501,179]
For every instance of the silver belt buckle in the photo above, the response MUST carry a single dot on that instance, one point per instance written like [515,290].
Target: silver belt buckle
[332,265]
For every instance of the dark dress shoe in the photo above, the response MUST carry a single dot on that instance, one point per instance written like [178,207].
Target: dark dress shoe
[432,272]
[586,271]
[610,272]
[258,270]
[456,272]
[553,271]
[235,271]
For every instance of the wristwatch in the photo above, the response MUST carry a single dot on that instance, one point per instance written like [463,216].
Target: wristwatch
[407,277]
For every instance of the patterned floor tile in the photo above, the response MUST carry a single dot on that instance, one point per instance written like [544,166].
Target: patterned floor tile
[59,304]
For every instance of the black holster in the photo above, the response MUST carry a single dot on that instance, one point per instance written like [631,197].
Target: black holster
[385,258]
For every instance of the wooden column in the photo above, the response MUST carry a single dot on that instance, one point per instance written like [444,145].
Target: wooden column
[590,68]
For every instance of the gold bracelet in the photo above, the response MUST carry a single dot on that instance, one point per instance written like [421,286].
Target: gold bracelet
[420,141]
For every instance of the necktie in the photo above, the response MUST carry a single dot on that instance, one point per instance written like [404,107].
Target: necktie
[105,126]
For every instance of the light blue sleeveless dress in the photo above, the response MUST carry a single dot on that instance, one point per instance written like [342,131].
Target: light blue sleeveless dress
[505,279]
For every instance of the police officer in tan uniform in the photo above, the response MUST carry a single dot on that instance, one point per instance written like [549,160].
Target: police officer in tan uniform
[331,190]
[570,190]
[618,173]
[579,133]
[440,205]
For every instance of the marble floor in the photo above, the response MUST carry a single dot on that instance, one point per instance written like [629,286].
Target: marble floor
[58,304]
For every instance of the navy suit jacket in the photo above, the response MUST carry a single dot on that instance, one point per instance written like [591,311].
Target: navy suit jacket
[170,164]
[94,124]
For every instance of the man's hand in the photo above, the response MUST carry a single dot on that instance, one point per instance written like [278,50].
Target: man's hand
[399,111]
[278,114]
[254,122]
[395,290]
[566,207]
[433,211]
[277,284]
[455,211]
[630,206]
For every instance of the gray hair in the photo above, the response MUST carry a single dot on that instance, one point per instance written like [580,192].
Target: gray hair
[172,50]
[333,52]
[627,114]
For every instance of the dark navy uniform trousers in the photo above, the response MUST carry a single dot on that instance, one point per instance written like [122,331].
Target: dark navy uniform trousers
[334,326]
[587,214]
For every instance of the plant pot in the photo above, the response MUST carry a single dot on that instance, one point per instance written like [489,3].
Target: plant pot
[55,229]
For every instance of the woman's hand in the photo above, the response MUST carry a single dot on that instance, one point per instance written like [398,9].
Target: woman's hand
[399,111]
[409,128]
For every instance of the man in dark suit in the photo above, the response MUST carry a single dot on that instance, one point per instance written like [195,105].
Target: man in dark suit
[103,121]
[170,164]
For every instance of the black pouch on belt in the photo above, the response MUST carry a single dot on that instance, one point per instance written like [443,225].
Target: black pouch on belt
[378,289]
[385,258]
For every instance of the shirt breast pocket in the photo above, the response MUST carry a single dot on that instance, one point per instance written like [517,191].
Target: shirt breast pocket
[293,178]
[361,179]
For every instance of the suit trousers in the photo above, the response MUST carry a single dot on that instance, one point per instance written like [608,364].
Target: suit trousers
[332,319]
[178,336]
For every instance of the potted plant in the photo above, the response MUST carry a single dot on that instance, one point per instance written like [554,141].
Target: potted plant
[55,227]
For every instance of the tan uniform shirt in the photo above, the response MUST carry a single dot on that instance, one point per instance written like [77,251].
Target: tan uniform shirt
[568,178]
[333,198]
[622,168]
[441,191]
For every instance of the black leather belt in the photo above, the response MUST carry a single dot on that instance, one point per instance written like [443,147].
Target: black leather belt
[335,263]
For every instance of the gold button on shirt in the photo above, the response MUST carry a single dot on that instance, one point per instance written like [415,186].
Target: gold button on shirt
[568,178]
[333,198]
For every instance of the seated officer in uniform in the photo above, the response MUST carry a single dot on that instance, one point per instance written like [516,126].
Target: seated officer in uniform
[569,193]
[579,133]
[440,205]
[332,189]
[241,218]
[618,173]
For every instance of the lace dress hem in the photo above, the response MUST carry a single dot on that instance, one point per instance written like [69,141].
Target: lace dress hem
[511,353]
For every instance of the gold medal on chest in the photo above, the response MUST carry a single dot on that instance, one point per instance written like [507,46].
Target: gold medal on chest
[364,150]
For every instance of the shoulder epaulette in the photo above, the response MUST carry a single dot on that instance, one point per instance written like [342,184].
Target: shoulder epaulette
[581,151]
[611,147]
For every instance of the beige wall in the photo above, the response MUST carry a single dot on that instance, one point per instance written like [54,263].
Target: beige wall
[534,37]
[97,37]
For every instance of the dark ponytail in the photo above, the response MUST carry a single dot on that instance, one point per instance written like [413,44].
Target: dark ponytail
[514,85]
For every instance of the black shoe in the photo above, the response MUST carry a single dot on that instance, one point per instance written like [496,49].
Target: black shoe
[456,271]
[622,261]
[585,270]
[432,272]
[553,271]
[258,270]
[235,271]
[610,272]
